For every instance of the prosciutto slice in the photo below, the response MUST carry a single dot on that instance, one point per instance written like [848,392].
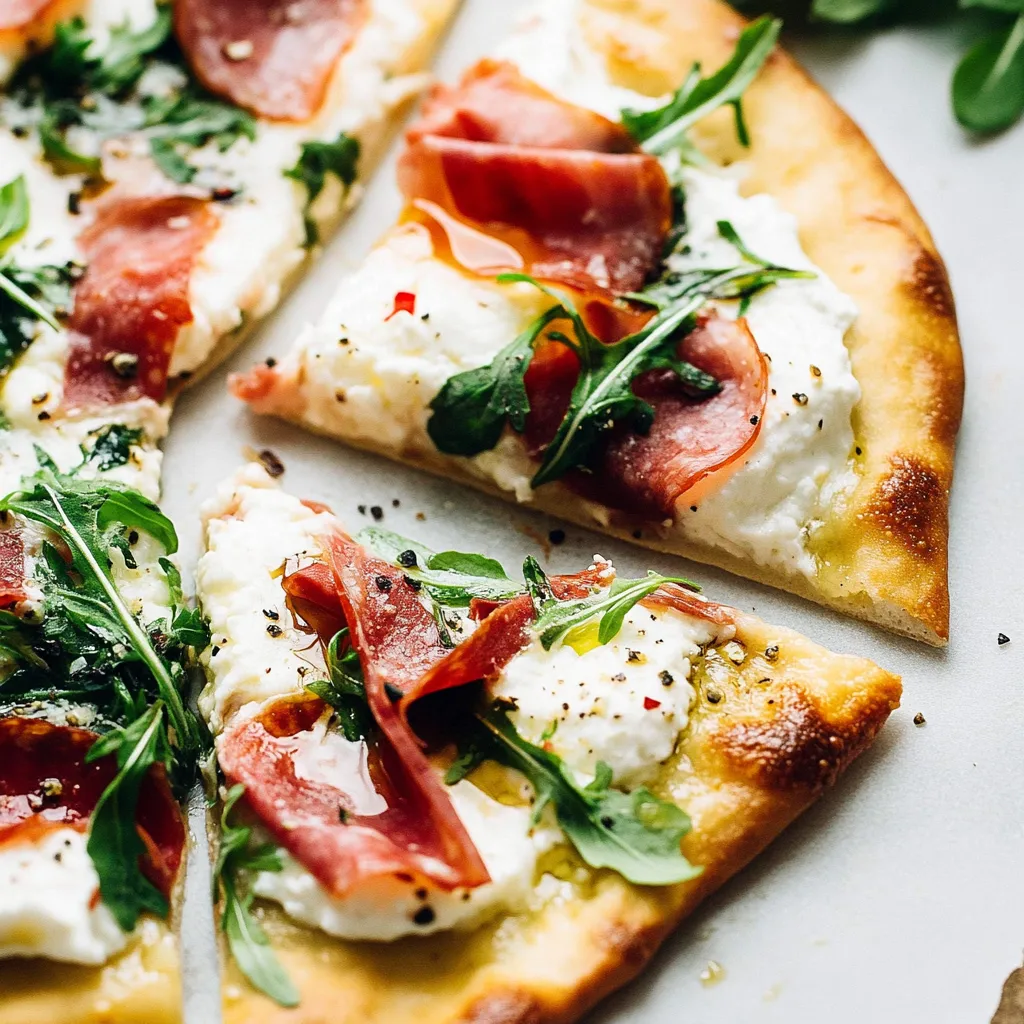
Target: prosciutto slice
[17,13]
[133,297]
[273,57]
[690,438]
[46,783]
[565,188]
[351,811]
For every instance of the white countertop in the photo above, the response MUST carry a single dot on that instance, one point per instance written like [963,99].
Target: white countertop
[900,897]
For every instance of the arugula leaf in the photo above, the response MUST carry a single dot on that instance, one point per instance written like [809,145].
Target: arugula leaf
[664,130]
[248,942]
[123,60]
[111,446]
[345,691]
[636,834]
[470,411]
[452,578]
[846,12]
[191,121]
[608,607]
[89,517]
[988,85]
[187,629]
[114,843]
[316,161]
[100,90]
[13,212]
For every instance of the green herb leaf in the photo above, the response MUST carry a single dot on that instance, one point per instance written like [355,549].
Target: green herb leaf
[13,212]
[988,86]
[469,413]
[608,607]
[846,12]
[123,59]
[111,446]
[636,834]
[664,130]
[114,843]
[317,160]
[453,578]
[345,690]
[190,122]
[248,942]
[90,518]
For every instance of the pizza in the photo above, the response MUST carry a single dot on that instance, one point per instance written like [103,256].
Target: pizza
[649,278]
[98,746]
[164,171]
[451,794]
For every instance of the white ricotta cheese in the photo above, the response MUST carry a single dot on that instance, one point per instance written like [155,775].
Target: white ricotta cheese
[252,528]
[624,702]
[47,902]
[370,378]
[387,908]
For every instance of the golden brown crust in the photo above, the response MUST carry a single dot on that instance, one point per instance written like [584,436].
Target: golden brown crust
[882,554]
[887,549]
[764,739]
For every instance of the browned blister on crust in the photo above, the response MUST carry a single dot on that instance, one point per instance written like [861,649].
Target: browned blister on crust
[884,556]
[764,739]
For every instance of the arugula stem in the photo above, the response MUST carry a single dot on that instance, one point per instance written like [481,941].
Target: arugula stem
[138,635]
[26,301]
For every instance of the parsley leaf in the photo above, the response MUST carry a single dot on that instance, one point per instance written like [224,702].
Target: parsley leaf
[664,130]
[316,161]
[248,942]
[607,608]
[636,834]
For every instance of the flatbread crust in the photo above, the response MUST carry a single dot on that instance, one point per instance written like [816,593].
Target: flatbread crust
[883,555]
[765,739]
[141,985]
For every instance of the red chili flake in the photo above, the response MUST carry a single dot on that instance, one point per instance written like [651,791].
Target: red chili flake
[405,302]
[650,703]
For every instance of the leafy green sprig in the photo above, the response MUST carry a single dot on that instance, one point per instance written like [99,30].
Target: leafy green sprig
[344,689]
[636,834]
[316,161]
[27,295]
[78,87]
[89,637]
[665,129]
[987,90]
[469,413]
[248,942]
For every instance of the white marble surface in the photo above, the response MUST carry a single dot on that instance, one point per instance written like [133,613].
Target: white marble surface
[900,897]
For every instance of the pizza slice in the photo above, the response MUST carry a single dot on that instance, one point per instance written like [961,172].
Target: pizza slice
[450,794]
[707,320]
[166,169]
[97,745]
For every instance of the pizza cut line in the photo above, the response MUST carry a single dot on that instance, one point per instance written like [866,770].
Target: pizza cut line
[684,319]
[416,743]
[165,170]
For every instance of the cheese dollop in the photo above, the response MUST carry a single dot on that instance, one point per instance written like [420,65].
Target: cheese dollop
[48,904]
